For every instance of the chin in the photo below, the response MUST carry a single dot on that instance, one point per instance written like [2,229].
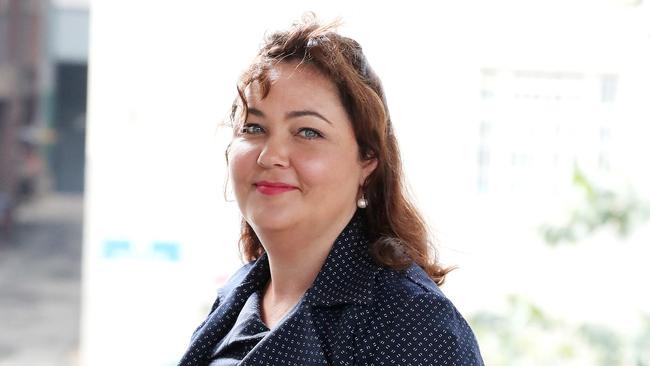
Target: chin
[272,220]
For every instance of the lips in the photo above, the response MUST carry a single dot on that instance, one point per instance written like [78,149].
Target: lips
[273,188]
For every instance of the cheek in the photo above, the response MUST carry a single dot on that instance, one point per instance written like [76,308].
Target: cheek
[242,160]
[312,171]
[332,170]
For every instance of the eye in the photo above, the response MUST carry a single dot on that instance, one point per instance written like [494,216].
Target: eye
[251,129]
[309,133]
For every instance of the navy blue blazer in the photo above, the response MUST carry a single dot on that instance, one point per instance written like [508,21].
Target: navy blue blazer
[355,313]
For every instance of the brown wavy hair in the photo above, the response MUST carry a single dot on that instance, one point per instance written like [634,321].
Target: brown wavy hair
[399,235]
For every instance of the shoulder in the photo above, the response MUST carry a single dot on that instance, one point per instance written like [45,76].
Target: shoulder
[410,282]
[240,276]
[236,279]
[415,323]
[410,291]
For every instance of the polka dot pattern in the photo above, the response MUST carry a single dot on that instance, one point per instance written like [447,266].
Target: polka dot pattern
[355,313]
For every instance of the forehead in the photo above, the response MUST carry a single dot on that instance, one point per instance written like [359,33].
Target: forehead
[292,79]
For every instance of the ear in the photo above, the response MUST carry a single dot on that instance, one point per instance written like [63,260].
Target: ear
[367,167]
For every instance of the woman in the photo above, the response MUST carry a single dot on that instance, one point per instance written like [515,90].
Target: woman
[340,271]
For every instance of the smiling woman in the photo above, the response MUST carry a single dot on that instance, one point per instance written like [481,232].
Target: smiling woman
[340,268]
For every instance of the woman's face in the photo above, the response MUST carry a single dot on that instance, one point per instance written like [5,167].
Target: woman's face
[294,162]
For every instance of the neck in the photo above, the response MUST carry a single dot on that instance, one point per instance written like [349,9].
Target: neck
[296,256]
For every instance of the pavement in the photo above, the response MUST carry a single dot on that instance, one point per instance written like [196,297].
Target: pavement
[40,283]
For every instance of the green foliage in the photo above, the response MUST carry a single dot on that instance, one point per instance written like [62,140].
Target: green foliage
[599,208]
[605,340]
[523,334]
[642,343]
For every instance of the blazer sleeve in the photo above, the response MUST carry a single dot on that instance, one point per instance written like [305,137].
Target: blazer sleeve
[426,329]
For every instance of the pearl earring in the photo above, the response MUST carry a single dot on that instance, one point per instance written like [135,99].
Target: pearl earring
[362,202]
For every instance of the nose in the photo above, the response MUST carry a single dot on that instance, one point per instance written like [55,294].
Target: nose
[274,153]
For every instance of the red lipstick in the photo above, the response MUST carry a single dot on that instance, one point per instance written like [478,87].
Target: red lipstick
[273,188]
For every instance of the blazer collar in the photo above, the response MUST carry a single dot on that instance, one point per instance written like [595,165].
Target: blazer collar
[348,272]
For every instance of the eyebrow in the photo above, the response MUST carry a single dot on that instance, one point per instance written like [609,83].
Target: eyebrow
[292,114]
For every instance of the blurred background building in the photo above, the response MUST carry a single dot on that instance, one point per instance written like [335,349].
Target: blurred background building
[43,68]
[43,64]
